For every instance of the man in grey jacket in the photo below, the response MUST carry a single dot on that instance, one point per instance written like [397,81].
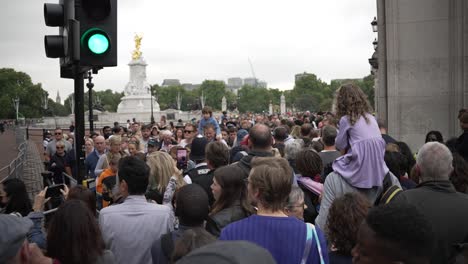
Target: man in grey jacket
[336,186]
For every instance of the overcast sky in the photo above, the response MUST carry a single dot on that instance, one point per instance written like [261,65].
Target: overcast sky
[207,39]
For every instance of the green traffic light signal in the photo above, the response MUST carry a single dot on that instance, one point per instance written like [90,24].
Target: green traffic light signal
[96,41]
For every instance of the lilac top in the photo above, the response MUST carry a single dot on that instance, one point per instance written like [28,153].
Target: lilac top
[363,165]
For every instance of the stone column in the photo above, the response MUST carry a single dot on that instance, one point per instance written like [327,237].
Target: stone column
[282,104]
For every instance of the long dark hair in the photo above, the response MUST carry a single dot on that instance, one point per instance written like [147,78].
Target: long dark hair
[234,189]
[81,193]
[18,197]
[74,236]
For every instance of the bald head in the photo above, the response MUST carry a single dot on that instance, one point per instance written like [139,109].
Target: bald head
[260,137]
[100,144]
[434,161]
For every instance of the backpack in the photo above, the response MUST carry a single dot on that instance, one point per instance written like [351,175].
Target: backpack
[389,191]
[167,245]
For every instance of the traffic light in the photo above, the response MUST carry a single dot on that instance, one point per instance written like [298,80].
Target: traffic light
[98,32]
[63,45]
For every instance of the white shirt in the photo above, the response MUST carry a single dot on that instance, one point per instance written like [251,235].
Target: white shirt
[130,229]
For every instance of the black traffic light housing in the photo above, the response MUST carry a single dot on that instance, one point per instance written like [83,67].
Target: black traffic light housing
[64,44]
[98,32]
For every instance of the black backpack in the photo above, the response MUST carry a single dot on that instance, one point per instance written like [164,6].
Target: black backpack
[389,191]
[167,245]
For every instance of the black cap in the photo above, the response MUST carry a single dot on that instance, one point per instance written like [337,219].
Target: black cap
[197,150]
[152,142]
[231,124]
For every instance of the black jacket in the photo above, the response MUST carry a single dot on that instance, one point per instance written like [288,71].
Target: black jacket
[244,163]
[447,211]
[215,223]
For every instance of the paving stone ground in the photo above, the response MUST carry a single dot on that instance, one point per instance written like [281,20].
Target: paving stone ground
[8,148]
[30,164]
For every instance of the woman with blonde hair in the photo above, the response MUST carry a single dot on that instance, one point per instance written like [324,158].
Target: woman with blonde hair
[104,160]
[164,178]
[134,150]
[89,146]
[296,132]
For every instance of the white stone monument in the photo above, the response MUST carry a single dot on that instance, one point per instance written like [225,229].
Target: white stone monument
[137,94]
[270,108]
[282,104]
[223,104]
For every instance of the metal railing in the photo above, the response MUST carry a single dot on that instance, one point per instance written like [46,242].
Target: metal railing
[15,168]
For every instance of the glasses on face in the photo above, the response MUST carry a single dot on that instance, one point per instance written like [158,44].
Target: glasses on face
[58,134]
[188,131]
[59,147]
[301,205]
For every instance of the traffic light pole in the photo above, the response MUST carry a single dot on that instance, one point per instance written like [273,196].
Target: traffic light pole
[79,123]
[90,86]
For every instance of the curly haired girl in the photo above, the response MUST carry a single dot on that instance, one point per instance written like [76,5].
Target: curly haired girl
[359,138]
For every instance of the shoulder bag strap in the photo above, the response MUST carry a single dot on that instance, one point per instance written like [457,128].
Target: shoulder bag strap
[318,244]
[308,244]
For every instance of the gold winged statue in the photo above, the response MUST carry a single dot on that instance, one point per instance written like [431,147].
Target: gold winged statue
[137,53]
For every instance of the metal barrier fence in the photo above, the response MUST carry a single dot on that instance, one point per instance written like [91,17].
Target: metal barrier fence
[15,169]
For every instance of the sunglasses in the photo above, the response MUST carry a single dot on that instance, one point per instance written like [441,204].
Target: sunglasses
[188,131]
[59,147]
[58,133]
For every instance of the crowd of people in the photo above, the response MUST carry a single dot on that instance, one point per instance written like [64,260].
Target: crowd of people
[308,188]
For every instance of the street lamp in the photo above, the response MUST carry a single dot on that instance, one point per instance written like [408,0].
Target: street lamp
[90,86]
[373,61]
[16,102]
[151,96]
[374,25]
[375,44]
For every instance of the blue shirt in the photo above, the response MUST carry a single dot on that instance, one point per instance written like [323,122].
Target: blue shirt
[283,237]
[204,122]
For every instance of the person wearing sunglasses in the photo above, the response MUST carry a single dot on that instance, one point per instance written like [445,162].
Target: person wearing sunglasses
[57,162]
[190,131]
[51,147]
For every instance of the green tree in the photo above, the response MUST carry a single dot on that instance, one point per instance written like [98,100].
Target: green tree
[15,84]
[253,99]
[367,86]
[213,91]
[167,96]
[109,100]
[308,93]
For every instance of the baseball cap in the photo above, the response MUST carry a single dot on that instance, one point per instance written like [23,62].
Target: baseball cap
[152,142]
[14,230]
[229,252]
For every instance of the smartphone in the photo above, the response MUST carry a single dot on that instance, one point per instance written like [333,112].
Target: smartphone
[54,190]
[182,159]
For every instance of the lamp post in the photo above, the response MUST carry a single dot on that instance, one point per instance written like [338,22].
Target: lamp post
[16,102]
[90,86]
[374,25]
[151,97]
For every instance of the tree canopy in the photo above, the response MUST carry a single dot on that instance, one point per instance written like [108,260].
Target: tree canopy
[309,93]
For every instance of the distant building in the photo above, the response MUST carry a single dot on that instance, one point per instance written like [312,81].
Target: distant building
[262,84]
[170,82]
[190,87]
[301,75]
[235,82]
[350,80]
[58,100]
[251,82]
